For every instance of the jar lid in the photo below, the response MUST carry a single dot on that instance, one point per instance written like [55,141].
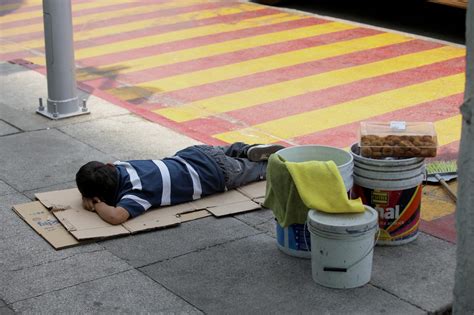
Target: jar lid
[343,223]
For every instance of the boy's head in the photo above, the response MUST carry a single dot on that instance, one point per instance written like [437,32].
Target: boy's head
[96,179]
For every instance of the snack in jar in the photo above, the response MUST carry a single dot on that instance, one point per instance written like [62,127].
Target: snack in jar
[397,139]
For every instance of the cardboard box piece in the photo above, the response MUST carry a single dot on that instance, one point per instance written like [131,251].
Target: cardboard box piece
[71,219]
[45,224]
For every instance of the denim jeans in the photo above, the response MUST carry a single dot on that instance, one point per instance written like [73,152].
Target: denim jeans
[232,160]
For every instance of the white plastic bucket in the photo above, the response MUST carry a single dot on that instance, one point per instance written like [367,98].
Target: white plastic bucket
[295,239]
[342,247]
[393,187]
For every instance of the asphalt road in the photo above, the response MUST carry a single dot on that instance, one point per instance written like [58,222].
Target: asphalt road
[411,16]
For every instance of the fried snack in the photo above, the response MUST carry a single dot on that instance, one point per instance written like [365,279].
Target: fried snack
[374,146]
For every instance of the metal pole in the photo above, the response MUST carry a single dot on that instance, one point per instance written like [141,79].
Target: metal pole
[58,36]
[464,277]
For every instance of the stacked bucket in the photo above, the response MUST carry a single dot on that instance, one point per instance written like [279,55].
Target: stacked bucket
[394,188]
[341,245]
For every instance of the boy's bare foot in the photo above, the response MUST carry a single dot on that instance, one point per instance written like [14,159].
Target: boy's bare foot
[262,152]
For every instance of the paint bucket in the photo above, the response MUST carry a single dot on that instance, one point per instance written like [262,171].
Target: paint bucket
[393,187]
[295,239]
[343,246]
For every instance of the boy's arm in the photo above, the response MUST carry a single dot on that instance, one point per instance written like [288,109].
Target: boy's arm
[112,215]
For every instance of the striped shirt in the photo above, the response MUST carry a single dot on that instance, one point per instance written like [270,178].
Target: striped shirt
[187,176]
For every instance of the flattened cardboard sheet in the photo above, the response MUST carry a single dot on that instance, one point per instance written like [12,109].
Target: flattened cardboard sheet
[232,208]
[158,218]
[228,197]
[254,191]
[82,224]
[198,214]
[45,224]
[61,199]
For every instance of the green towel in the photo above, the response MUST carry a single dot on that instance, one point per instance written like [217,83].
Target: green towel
[281,194]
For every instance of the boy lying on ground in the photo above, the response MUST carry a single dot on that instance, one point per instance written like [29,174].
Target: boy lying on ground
[124,190]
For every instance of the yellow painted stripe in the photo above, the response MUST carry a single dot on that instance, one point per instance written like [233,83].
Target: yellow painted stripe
[133,26]
[23,4]
[273,92]
[271,62]
[186,54]
[347,112]
[39,13]
[146,41]
[448,130]
[259,64]
[103,16]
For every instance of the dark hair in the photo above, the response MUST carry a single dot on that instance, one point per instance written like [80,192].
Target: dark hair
[96,179]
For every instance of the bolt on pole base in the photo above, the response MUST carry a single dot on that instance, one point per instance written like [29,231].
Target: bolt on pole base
[55,110]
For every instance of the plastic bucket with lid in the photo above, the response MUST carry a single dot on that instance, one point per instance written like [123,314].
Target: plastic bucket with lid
[342,247]
[393,187]
[295,239]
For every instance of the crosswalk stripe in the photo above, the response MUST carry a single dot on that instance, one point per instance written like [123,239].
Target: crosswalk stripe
[239,69]
[268,93]
[251,66]
[90,18]
[88,34]
[187,54]
[75,7]
[448,130]
[348,112]
[24,4]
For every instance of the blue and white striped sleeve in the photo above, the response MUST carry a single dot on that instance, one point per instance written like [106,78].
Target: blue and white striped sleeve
[135,204]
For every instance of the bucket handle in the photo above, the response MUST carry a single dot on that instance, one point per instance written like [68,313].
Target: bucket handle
[338,269]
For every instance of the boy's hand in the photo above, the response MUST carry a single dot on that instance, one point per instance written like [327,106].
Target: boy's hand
[89,203]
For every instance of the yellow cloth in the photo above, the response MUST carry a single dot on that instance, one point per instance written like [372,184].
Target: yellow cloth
[321,187]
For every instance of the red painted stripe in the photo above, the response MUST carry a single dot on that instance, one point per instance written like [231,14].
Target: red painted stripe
[346,135]
[127,19]
[443,228]
[350,91]
[337,95]
[212,61]
[18,55]
[75,13]
[298,103]
[196,42]
[158,29]
[448,152]
[25,9]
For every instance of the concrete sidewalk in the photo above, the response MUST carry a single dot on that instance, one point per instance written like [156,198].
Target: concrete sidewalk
[216,266]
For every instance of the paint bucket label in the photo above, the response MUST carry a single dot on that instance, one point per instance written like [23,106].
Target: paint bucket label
[399,212]
[294,240]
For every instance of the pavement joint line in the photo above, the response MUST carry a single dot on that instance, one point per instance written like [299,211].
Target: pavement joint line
[438,237]
[398,297]
[79,140]
[256,225]
[16,191]
[199,250]
[41,188]
[171,291]
[55,260]
[71,286]
[11,125]
[6,306]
